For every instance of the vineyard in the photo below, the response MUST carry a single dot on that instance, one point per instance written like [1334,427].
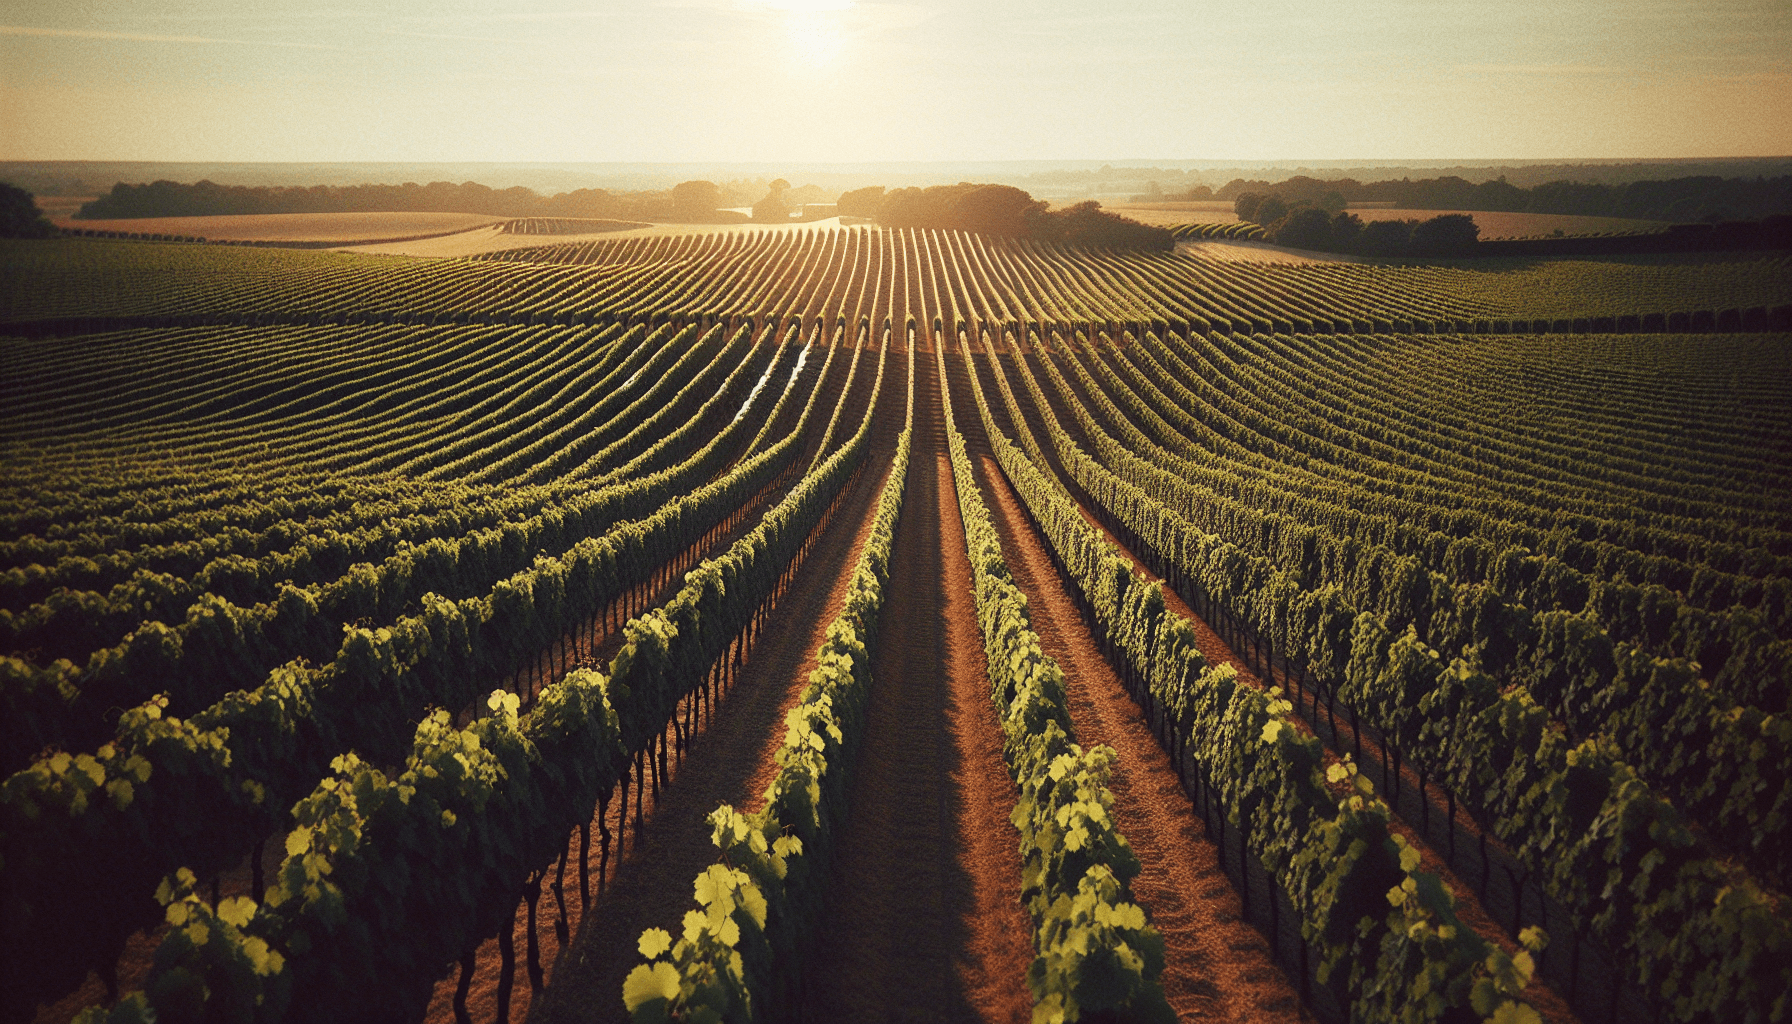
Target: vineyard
[871,624]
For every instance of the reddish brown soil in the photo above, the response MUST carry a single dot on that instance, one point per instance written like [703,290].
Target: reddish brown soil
[924,918]
[730,761]
[1216,964]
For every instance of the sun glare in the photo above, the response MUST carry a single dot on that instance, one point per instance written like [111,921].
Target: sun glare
[816,41]
[814,28]
[801,6]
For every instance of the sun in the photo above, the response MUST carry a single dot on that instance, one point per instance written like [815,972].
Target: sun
[801,6]
[817,41]
[814,28]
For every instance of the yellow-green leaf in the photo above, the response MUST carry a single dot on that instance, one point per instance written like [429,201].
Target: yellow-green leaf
[1409,858]
[1511,1012]
[645,984]
[655,941]
[237,911]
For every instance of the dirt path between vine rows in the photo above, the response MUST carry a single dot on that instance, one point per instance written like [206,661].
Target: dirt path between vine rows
[1215,964]
[1470,907]
[649,884]
[924,919]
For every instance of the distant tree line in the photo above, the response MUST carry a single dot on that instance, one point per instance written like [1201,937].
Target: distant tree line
[1175,183]
[1154,193]
[1002,210]
[1329,229]
[1702,199]
[687,202]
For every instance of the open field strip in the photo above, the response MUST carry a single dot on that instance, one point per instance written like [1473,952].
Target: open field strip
[291,227]
[1493,224]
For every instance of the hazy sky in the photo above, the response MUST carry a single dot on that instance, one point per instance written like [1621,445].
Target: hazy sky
[839,80]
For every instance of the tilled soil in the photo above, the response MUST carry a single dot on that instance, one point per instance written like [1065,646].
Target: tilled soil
[924,919]
[1216,965]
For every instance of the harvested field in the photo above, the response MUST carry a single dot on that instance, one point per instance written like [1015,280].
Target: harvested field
[1167,214]
[60,208]
[1521,225]
[291,227]
[492,239]
[1492,225]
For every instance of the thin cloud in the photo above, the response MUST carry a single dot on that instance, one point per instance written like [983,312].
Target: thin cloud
[875,15]
[536,16]
[260,17]
[143,37]
[796,6]
[1541,69]
[453,37]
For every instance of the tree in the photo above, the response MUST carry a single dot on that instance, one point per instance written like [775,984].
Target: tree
[773,207]
[911,208]
[696,200]
[995,210]
[1385,237]
[862,202]
[1087,224]
[1005,210]
[1453,234]
[1306,228]
[1347,231]
[1245,206]
[1270,210]
[19,215]
[806,194]
[1498,195]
